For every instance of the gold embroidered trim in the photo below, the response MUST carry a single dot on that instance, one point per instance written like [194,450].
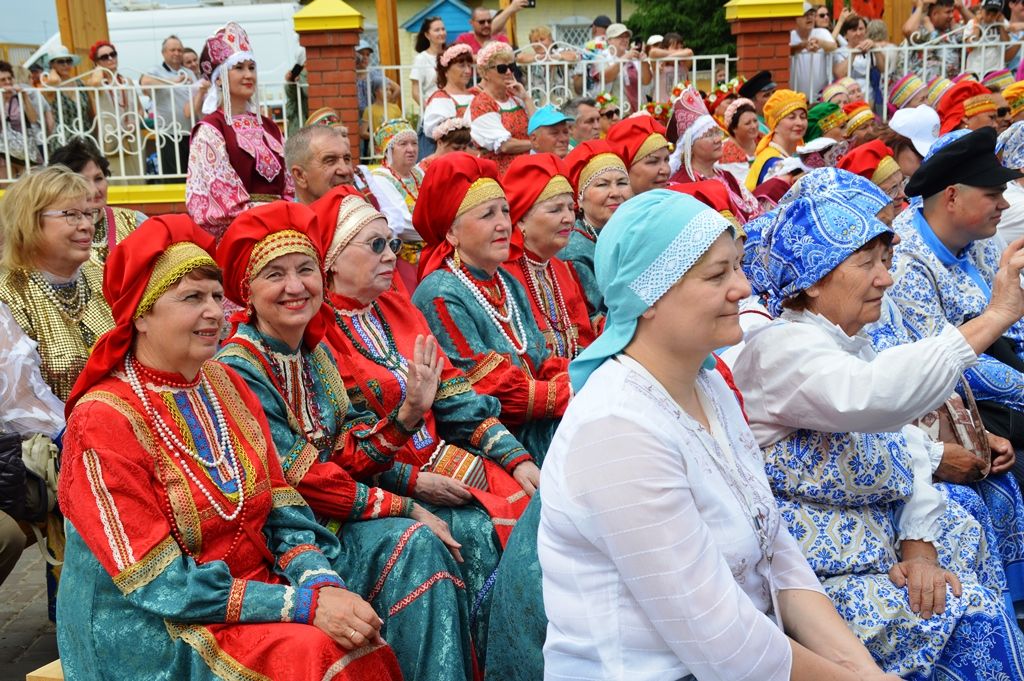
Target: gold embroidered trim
[836,119]
[140,574]
[859,120]
[886,168]
[653,143]
[979,104]
[172,265]
[285,496]
[354,213]
[482,190]
[454,387]
[275,245]
[531,397]
[556,186]
[599,164]
[203,642]
[484,367]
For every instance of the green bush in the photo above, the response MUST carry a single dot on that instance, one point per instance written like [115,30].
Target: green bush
[701,23]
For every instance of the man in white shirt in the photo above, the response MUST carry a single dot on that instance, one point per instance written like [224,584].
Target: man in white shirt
[810,48]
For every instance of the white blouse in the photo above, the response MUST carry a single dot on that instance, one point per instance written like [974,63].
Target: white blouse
[424,72]
[803,371]
[440,109]
[27,405]
[652,564]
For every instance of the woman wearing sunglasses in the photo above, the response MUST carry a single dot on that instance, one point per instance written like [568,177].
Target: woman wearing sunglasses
[330,448]
[500,113]
[72,108]
[462,457]
[118,111]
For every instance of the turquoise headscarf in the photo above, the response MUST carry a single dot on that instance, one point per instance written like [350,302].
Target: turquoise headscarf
[649,243]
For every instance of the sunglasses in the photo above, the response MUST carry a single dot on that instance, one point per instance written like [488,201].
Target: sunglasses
[823,15]
[502,69]
[614,113]
[378,244]
[1002,112]
[61,61]
[482,21]
[106,56]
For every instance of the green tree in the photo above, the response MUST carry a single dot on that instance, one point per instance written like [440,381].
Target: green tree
[701,23]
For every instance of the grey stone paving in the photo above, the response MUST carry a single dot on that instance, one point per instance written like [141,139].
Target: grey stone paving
[27,638]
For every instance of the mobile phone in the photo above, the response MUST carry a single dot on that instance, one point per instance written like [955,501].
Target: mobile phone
[531,3]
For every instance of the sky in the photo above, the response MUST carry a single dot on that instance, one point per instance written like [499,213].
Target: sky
[36,21]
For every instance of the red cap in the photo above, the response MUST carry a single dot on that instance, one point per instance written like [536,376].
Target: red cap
[532,178]
[965,99]
[125,278]
[247,247]
[445,186]
[872,160]
[635,137]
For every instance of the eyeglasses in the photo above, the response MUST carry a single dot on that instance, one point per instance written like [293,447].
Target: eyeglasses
[378,244]
[896,191]
[823,15]
[73,216]
[61,61]
[106,56]
[1002,112]
[614,113]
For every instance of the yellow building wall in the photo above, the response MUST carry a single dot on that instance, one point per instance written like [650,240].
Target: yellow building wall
[546,13]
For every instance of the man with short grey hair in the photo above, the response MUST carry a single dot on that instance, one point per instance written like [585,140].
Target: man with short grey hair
[319,158]
[586,120]
[175,106]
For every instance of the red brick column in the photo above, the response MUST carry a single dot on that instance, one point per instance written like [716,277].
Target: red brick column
[763,44]
[329,30]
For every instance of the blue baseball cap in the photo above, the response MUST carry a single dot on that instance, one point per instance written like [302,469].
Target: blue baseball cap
[546,115]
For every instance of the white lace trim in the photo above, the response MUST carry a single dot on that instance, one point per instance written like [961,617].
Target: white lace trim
[679,256]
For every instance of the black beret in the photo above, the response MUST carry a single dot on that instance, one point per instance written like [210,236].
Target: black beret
[970,160]
[762,80]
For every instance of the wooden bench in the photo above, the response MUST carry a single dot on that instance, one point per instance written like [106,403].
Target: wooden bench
[50,672]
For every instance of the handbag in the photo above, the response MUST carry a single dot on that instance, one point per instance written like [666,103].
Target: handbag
[28,477]
[957,421]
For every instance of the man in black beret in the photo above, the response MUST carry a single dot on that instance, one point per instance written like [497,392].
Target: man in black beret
[758,89]
[945,265]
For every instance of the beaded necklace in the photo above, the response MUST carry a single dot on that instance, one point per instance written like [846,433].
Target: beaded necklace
[70,299]
[403,185]
[225,449]
[297,398]
[552,304]
[587,230]
[517,338]
[389,358]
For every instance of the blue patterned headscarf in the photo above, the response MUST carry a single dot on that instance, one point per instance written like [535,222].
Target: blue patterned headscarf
[821,184]
[649,243]
[810,238]
[1010,146]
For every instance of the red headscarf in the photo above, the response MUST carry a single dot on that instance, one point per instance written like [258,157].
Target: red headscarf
[245,249]
[872,160]
[631,138]
[965,99]
[713,194]
[125,279]
[526,183]
[582,155]
[445,186]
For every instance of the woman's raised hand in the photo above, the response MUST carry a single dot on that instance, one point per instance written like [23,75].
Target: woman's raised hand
[347,618]
[421,385]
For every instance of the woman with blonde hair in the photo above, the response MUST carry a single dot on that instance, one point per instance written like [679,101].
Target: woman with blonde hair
[53,290]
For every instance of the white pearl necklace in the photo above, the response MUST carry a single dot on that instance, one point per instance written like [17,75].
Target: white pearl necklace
[499,320]
[177,447]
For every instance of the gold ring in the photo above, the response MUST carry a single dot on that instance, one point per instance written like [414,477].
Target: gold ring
[352,634]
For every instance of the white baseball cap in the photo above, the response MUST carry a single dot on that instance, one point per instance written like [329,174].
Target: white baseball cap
[615,30]
[919,124]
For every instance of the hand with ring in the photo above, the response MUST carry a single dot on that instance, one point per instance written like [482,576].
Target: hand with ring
[347,618]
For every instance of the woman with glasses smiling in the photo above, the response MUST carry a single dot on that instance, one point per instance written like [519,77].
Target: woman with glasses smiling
[53,290]
[500,113]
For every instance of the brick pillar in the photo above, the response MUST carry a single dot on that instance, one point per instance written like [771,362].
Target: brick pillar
[762,31]
[329,30]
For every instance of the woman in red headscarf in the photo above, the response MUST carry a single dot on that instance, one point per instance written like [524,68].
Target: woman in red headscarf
[479,314]
[340,458]
[236,158]
[541,209]
[641,144]
[183,536]
[463,455]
